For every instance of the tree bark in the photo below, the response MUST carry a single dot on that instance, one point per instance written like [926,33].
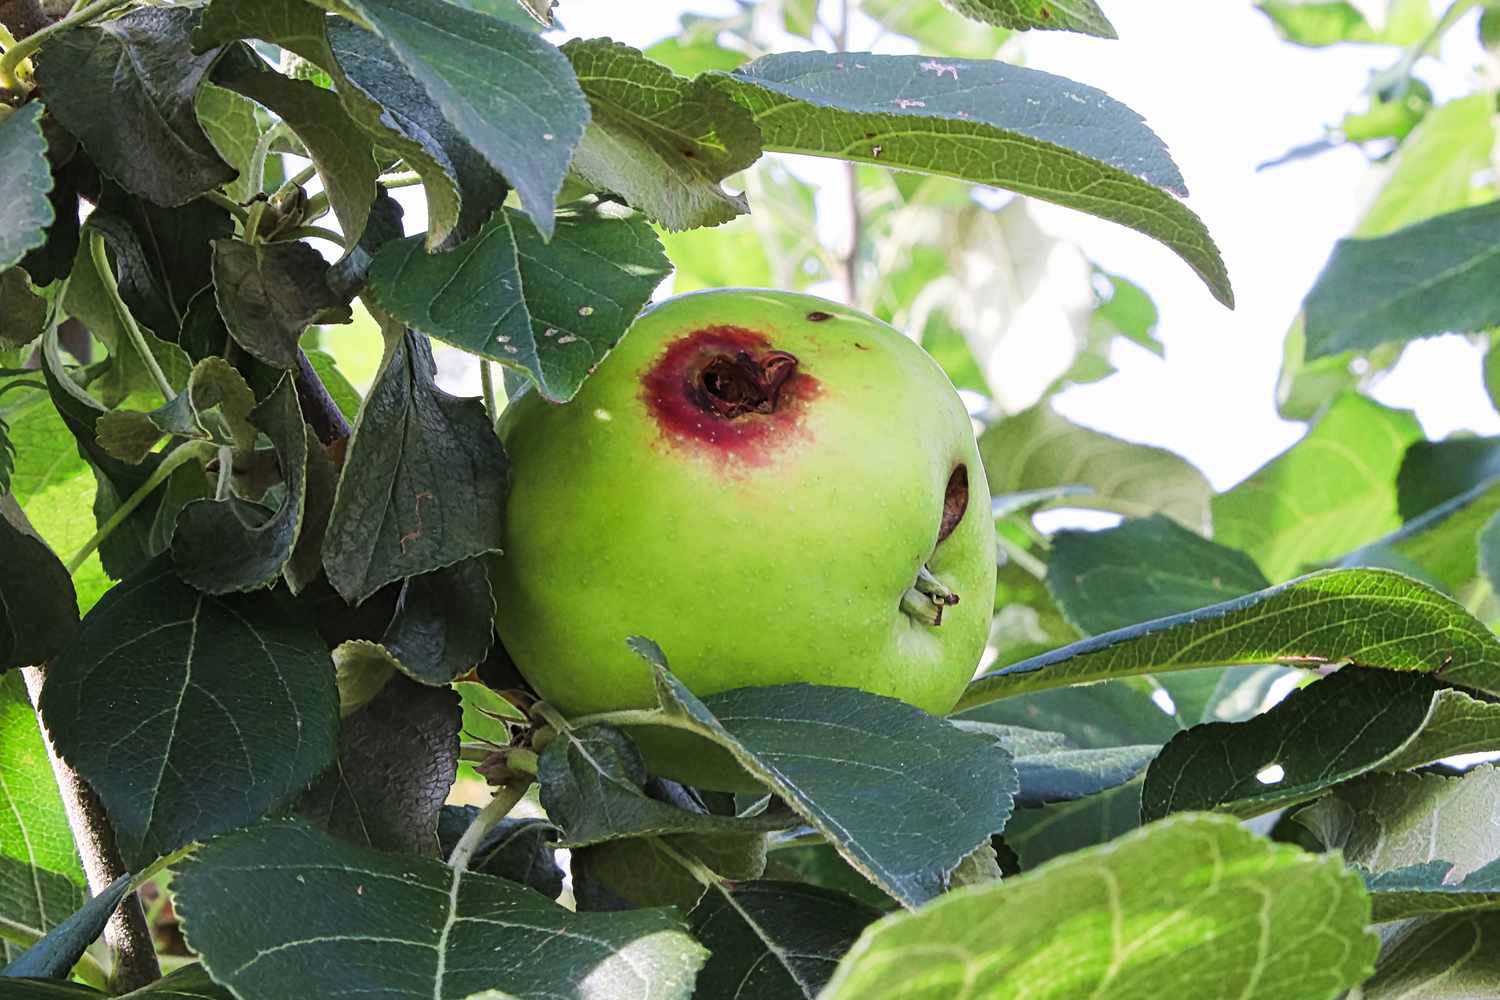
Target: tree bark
[126,934]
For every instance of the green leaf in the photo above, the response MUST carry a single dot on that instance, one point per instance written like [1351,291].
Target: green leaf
[199,673]
[55,955]
[1317,23]
[518,849]
[1057,15]
[38,608]
[774,939]
[1442,544]
[33,827]
[1066,774]
[1038,449]
[1329,493]
[1433,171]
[1357,721]
[1061,828]
[1455,957]
[229,545]
[423,484]
[662,142]
[509,93]
[344,395]
[1143,569]
[1433,887]
[408,925]
[1433,277]
[984,122]
[1372,617]
[1228,915]
[551,309]
[230,122]
[397,759]
[26,211]
[935,28]
[146,136]
[270,293]
[872,774]
[33,901]
[628,874]
[342,152]
[53,483]
[130,435]
[48,989]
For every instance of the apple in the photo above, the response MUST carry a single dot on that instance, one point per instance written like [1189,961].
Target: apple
[773,487]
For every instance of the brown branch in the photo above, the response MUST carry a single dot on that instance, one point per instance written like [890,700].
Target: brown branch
[126,934]
[318,407]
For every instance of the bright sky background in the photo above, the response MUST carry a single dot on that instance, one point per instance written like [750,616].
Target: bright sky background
[1213,79]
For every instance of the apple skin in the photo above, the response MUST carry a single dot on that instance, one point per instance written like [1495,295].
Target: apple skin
[756,548]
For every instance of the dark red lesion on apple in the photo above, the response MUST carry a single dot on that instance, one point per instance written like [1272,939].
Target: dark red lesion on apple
[955,501]
[726,388]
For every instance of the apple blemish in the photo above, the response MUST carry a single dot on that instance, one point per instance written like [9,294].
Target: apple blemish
[726,388]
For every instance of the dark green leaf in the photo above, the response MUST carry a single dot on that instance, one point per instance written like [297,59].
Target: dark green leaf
[1066,774]
[56,954]
[649,871]
[341,151]
[1433,887]
[1433,277]
[33,827]
[509,93]
[146,135]
[662,142]
[38,608]
[1371,617]
[1058,15]
[25,210]
[1442,544]
[407,926]
[872,774]
[1142,570]
[1038,449]
[270,293]
[980,121]
[228,545]
[48,989]
[444,622]
[777,940]
[819,864]
[1091,924]
[397,759]
[1329,493]
[1111,714]
[592,787]
[1038,835]
[463,190]
[423,484]
[1346,725]
[23,313]
[1435,471]
[551,309]
[518,849]
[54,258]
[232,709]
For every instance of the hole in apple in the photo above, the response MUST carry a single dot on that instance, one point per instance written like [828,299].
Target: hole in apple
[733,385]
[955,501]
[819,316]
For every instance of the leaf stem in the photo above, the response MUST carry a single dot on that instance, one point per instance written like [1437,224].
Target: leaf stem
[180,456]
[1021,557]
[227,203]
[499,807]
[487,382]
[317,233]
[26,46]
[226,472]
[122,312]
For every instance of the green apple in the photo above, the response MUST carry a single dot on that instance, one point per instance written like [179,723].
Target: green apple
[776,489]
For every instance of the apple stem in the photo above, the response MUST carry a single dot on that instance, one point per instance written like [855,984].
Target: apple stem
[934,588]
[921,607]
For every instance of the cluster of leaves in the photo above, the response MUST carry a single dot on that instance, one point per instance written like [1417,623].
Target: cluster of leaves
[275,699]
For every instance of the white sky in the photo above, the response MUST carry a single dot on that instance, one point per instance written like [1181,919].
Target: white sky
[1225,93]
